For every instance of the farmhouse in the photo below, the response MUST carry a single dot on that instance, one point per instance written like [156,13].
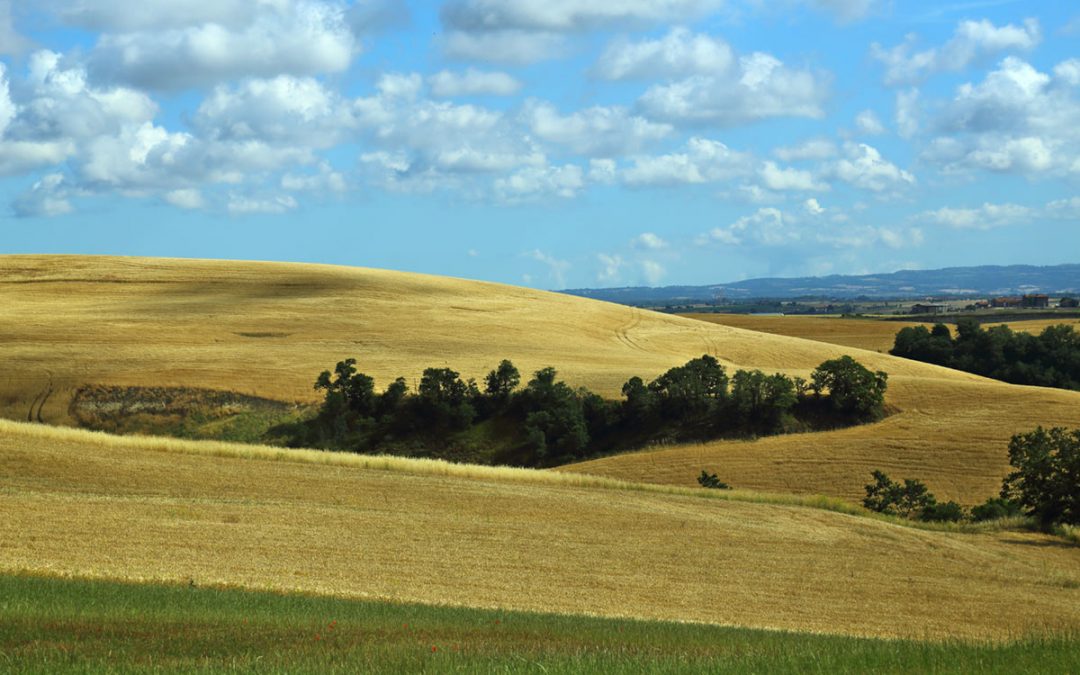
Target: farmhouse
[929,309]
[1007,302]
[1035,300]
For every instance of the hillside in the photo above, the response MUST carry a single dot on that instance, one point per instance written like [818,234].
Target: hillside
[948,282]
[874,335]
[266,330]
[91,505]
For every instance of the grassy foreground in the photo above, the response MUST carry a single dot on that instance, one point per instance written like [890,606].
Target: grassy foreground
[63,625]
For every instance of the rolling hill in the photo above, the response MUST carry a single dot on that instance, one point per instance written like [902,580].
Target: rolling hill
[266,329]
[89,505]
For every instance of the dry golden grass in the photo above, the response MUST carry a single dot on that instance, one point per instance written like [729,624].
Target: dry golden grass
[268,328]
[869,334]
[147,509]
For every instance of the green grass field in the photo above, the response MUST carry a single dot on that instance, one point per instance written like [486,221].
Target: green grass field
[58,625]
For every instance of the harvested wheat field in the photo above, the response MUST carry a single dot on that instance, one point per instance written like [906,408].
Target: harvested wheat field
[90,505]
[871,334]
[268,328]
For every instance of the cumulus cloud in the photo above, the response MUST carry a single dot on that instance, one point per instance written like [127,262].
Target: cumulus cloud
[813,207]
[811,149]
[680,53]
[1017,119]
[973,41]
[567,15]
[985,217]
[557,268]
[372,16]
[597,131]
[288,37]
[185,198]
[281,109]
[783,179]
[868,124]
[767,226]
[865,168]
[47,198]
[758,87]
[540,181]
[509,46]
[10,40]
[240,205]
[907,113]
[653,271]
[650,241]
[610,267]
[702,161]
[472,82]
[846,10]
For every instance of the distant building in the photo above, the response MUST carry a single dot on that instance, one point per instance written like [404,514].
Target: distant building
[929,309]
[1037,300]
[1007,302]
[1069,302]
[982,304]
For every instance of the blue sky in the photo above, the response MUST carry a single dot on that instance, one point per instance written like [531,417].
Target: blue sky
[549,143]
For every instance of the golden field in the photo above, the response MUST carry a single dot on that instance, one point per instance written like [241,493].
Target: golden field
[268,328]
[90,505]
[870,334]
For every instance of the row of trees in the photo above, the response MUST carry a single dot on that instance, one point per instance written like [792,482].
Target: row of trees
[1044,485]
[1050,359]
[548,422]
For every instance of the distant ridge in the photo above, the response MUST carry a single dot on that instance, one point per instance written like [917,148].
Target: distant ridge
[955,282]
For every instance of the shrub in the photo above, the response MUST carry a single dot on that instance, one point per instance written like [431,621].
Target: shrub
[908,499]
[707,480]
[949,512]
[996,508]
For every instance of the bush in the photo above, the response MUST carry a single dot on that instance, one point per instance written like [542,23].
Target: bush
[949,512]
[1047,477]
[908,499]
[996,508]
[707,480]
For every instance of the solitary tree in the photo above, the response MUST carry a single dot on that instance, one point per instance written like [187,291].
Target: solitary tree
[853,389]
[502,381]
[1047,477]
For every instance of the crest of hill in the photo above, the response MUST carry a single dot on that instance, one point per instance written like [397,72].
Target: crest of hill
[267,329]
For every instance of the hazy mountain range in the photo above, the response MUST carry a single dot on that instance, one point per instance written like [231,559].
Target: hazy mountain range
[985,280]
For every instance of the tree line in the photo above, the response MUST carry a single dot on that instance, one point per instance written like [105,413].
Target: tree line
[1050,359]
[547,422]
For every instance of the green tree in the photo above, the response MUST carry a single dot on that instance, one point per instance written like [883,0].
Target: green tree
[853,389]
[502,381]
[1047,477]
[692,389]
[445,398]
[909,499]
[707,480]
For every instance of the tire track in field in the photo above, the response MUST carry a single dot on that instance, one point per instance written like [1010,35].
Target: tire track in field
[623,334]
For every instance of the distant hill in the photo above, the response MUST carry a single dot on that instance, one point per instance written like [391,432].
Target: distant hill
[949,282]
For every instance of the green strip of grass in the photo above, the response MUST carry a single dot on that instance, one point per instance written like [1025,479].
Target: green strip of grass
[62,625]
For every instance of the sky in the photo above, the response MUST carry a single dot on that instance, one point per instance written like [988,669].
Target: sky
[547,143]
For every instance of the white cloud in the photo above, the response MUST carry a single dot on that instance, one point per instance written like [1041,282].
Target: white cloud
[283,109]
[48,197]
[1068,72]
[985,217]
[972,42]
[813,207]
[602,171]
[185,198]
[240,205]
[10,40]
[508,46]
[680,53]
[567,15]
[653,271]
[868,124]
[846,10]
[703,161]
[596,131]
[767,226]
[650,241]
[557,269]
[812,149]
[759,87]
[472,82]
[7,106]
[907,113]
[366,17]
[1017,119]
[782,179]
[289,37]
[538,181]
[865,168]
[610,267]
[324,180]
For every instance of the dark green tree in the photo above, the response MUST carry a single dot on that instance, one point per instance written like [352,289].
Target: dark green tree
[909,499]
[502,381]
[1047,477]
[853,389]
